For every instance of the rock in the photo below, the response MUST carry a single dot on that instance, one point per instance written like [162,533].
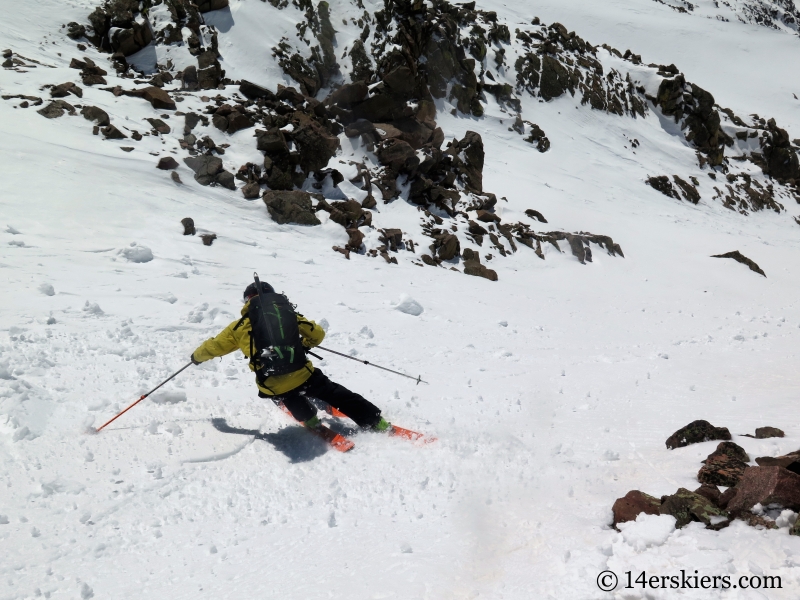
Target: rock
[209,5]
[347,213]
[664,185]
[251,191]
[578,248]
[447,246]
[315,144]
[75,31]
[112,133]
[65,89]
[768,432]
[56,109]
[272,142]
[472,147]
[633,504]
[190,79]
[348,95]
[710,492]
[98,115]
[766,485]
[205,167]
[487,217]
[731,450]
[208,238]
[555,79]
[159,126]
[722,469]
[226,179]
[175,177]
[790,462]
[290,207]
[130,41]
[359,127]
[157,97]
[473,266]
[167,163]
[188,226]
[535,214]
[398,156]
[739,257]
[687,506]
[238,121]
[696,432]
[355,241]
[254,92]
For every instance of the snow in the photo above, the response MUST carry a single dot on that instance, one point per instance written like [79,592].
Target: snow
[550,390]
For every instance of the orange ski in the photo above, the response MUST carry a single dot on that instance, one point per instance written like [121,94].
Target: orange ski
[335,440]
[413,436]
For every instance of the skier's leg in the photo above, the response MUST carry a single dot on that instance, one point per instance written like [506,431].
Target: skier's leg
[358,408]
[296,403]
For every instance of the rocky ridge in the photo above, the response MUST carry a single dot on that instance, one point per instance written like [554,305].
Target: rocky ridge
[383,97]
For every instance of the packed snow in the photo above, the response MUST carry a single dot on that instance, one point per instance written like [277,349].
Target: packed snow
[551,391]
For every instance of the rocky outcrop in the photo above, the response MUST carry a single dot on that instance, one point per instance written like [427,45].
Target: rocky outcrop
[765,486]
[725,466]
[741,258]
[688,506]
[290,207]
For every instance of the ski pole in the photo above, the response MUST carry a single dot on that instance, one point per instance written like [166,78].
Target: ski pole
[366,362]
[173,376]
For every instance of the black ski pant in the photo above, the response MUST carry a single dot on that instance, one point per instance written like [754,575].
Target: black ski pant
[358,408]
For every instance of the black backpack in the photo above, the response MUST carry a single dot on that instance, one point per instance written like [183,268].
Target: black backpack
[275,345]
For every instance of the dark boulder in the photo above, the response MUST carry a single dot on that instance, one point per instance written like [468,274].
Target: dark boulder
[632,504]
[98,115]
[447,246]
[398,156]
[209,5]
[290,207]
[157,97]
[315,144]
[188,226]
[768,432]
[160,126]
[167,163]
[473,266]
[348,95]
[535,214]
[56,109]
[790,462]
[254,92]
[131,40]
[208,169]
[741,258]
[555,79]
[65,89]
[696,432]
[725,466]
[251,191]
[112,133]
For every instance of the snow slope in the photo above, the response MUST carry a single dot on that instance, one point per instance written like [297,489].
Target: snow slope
[551,391]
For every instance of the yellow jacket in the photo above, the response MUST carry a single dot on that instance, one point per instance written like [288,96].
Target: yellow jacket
[236,336]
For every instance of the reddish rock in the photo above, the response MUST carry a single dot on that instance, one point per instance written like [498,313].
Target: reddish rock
[721,469]
[789,461]
[766,485]
[487,217]
[710,492]
[632,504]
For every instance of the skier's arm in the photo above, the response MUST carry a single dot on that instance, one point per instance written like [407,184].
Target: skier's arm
[221,345]
[311,332]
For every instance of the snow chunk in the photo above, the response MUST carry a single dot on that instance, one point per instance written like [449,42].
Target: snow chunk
[18,243]
[137,254]
[86,591]
[366,332]
[647,530]
[324,324]
[12,231]
[409,306]
[3,520]
[47,289]
[93,309]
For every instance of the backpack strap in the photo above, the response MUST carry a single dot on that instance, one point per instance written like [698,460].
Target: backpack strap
[239,324]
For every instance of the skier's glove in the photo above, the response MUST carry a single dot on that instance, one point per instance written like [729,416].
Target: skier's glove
[194,361]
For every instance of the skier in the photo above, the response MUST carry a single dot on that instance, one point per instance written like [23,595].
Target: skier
[276,351]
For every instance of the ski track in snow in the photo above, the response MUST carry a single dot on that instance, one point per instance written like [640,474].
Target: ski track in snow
[551,391]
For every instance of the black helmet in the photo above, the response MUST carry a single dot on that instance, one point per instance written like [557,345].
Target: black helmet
[251,290]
